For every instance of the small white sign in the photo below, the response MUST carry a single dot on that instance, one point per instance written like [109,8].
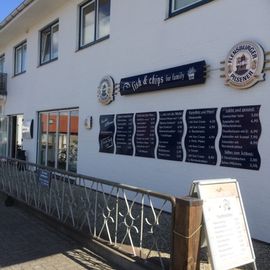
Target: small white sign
[226,226]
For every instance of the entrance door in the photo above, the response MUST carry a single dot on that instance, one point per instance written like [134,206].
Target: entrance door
[15,131]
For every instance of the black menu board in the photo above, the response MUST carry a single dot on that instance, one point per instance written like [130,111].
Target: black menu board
[124,133]
[145,137]
[106,134]
[202,130]
[241,130]
[170,133]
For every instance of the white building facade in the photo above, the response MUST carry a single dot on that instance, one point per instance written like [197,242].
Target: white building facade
[174,117]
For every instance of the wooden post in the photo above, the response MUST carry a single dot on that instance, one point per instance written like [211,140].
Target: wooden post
[186,234]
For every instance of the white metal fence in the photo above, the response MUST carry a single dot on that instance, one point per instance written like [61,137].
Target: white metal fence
[135,221]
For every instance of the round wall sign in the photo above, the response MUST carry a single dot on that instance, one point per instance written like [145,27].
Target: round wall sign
[244,65]
[106,90]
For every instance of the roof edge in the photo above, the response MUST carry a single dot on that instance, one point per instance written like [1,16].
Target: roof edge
[15,13]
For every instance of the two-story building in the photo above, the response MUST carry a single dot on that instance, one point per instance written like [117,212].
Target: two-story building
[153,93]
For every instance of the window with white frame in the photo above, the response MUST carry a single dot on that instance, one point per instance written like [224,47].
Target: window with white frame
[179,6]
[49,43]
[2,63]
[58,139]
[20,58]
[94,21]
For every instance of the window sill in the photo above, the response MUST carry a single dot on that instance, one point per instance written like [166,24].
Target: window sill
[93,43]
[185,9]
[48,62]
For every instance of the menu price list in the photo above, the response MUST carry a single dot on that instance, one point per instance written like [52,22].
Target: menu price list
[241,130]
[106,134]
[124,133]
[145,138]
[201,134]
[170,133]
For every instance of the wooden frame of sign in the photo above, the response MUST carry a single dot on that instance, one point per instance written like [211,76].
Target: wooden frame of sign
[226,228]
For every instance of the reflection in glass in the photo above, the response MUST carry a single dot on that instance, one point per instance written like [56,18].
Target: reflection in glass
[2,62]
[103,18]
[58,139]
[43,120]
[3,136]
[55,30]
[18,61]
[23,57]
[73,141]
[45,46]
[62,140]
[88,24]
[52,128]
[178,4]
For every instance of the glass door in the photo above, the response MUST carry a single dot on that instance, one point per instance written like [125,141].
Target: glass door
[15,138]
[3,136]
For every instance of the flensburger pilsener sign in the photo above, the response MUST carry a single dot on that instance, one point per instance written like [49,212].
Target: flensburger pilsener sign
[244,65]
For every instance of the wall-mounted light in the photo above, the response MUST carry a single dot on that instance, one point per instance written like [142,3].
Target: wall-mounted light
[88,122]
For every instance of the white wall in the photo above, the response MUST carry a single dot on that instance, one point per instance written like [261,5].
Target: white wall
[141,41]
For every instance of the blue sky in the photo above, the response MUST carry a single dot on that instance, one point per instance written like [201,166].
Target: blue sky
[7,6]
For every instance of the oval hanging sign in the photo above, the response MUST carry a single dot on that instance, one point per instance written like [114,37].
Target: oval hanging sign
[244,65]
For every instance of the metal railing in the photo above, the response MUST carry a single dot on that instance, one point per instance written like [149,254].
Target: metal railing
[3,84]
[134,221]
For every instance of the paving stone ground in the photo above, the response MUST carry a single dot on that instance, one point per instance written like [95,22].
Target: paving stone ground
[26,243]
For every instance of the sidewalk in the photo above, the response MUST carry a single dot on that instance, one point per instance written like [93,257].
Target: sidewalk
[28,243]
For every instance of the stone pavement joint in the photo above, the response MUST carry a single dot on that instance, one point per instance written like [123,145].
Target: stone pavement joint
[28,243]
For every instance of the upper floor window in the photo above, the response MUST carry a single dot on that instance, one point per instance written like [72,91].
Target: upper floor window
[2,63]
[49,43]
[94,21]
[179,6]
[20,58]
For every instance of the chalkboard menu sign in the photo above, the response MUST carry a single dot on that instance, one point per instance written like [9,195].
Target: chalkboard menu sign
[124,133]
[241,130]
[180,76]
[170,133]
[145,137]
[202,130]
[107,129]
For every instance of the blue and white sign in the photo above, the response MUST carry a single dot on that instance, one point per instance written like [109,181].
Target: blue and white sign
[44,178]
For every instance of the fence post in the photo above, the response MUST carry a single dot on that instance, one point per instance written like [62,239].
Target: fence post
[186,234]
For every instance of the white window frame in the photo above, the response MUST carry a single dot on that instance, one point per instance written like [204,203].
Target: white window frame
[49,39]
[96,38]
[20,52]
